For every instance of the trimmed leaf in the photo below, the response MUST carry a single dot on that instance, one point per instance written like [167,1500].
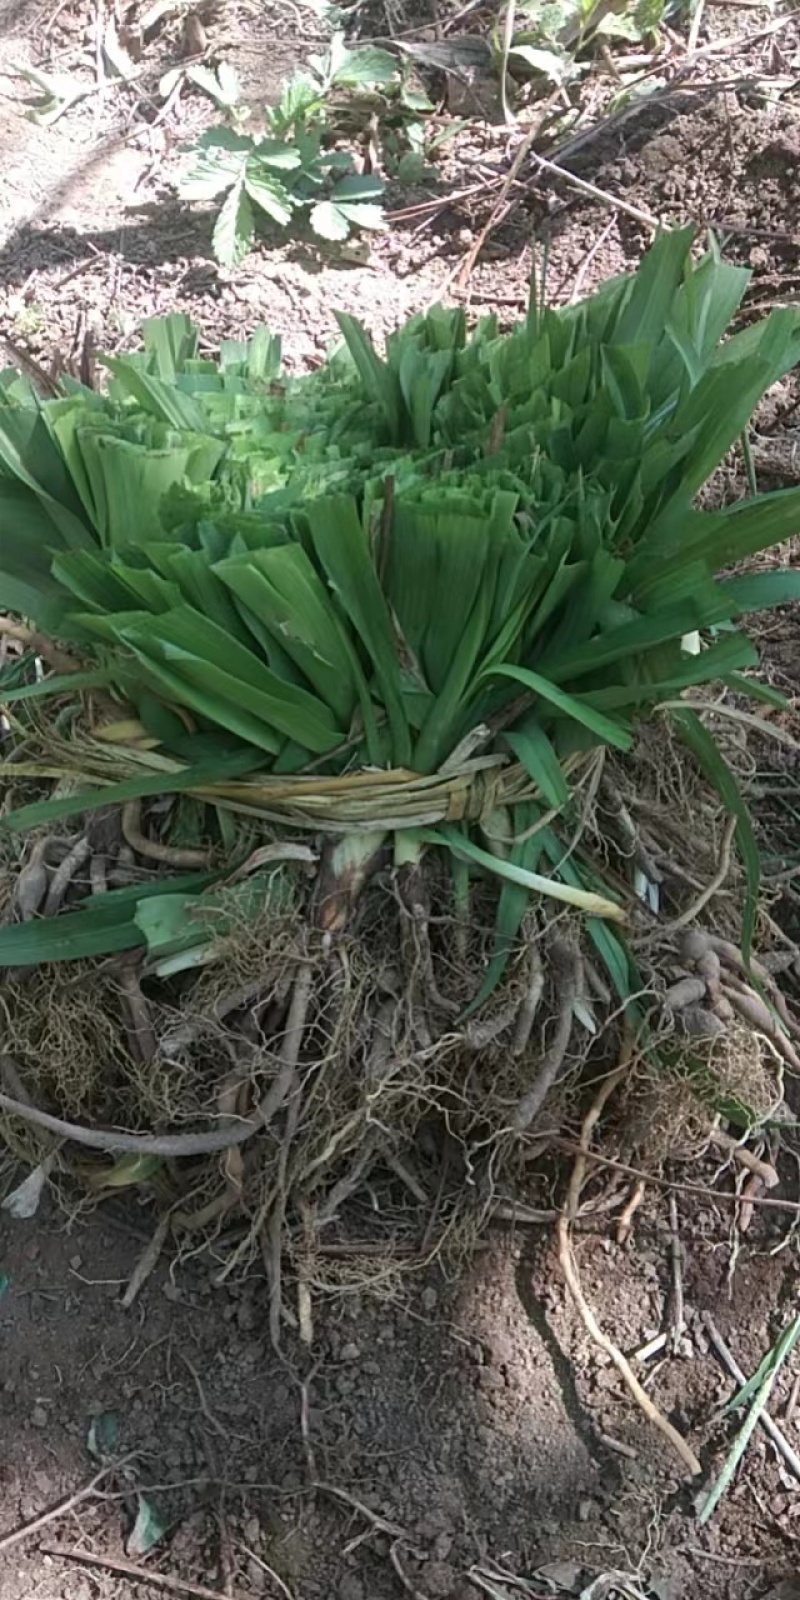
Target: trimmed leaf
[100,930]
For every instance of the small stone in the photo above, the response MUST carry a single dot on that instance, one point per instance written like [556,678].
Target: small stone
[349,1352]
[40,1417]
[490,1378]
[439,1579]
[252,1531]
[76,1262]
[429,1299]
[171,1291]
[586,1510]
[351,1588]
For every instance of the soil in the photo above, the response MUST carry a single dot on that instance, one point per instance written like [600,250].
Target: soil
[469,1437]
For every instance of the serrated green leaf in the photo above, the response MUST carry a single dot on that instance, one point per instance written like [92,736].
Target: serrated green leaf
[269,195]
[365,67]
[362,215]
[276,154]
[234,227]
[358,186]
[329,221]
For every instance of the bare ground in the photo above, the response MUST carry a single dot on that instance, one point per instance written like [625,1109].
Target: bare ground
[473,1440]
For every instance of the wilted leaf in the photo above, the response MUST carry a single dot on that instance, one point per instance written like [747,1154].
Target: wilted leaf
[158,11]
[148,1529]
[216,168]
[169,81]
[562,1574]
[116,54]
[57,94]
[127,1172]
[222,84]
[23,1202]
[103,1436]
[412,167]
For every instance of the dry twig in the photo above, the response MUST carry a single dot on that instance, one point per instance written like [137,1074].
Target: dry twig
[63,1508]
[676,1255]
[410,1588]
[498,210]
[134,1570]
[379,1523]
[779,1439]
[792,1206]
[594,193]
[628,1212]
[570,1269]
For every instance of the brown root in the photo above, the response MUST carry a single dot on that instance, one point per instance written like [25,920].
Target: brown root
[321,1083]
[565,960]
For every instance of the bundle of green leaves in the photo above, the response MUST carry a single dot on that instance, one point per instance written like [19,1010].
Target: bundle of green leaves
[295,165]
[483,542]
